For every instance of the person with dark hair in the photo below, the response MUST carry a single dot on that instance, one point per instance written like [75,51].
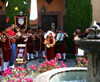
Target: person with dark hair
[84,34]
[52,29]
[61,42]
[77,32]
[13,45]
[21,39]
[6,47]
[40,40]
[30,48]
[0,56]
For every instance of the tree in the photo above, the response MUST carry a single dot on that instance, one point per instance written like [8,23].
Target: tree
[78,14]
[11,12]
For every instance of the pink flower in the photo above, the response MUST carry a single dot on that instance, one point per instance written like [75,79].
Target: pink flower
[48,69]
[79,61]
[48,62]
[61,62]
[53,61]
[33,67]
[41,69]
[63,65]
[45,57]
[19,80]
[37,68]
[7,72]
[29,79]
[19,75]
[15,76]
[58,56]
[43,65]
[57,67]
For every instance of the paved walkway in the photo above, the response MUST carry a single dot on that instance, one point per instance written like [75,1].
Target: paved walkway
[69,63]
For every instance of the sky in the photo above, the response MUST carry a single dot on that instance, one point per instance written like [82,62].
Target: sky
[33,10]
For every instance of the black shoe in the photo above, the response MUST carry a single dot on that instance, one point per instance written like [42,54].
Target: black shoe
[36,57]
[43,58]
[0,73]
[75,61]
[59,59]
[64,60]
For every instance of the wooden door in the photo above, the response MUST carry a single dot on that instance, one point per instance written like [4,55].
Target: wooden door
[49,21]
[2,22]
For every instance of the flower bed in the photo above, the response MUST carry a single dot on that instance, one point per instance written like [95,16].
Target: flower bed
[19,74]
[82,63]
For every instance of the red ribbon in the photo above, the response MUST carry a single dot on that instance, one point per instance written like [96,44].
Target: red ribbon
[7,20]
[29,11]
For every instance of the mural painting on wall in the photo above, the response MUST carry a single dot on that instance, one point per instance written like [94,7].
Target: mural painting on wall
[49,1]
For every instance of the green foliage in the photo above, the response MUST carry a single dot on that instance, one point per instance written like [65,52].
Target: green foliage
[11,12]
[78,14]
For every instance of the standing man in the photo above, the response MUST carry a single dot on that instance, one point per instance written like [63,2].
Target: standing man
[30,43]
[13,45]
[61,42]
[76,33]
[40,40]
[6,47]
[0,56]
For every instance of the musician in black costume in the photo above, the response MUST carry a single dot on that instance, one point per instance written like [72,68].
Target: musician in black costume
[61,42]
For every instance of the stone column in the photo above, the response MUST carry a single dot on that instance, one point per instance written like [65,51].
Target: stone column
[94,67]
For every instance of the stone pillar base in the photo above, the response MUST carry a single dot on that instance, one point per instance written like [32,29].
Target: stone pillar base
[94,68]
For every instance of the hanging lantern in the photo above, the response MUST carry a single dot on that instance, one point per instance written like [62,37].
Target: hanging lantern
[43,9]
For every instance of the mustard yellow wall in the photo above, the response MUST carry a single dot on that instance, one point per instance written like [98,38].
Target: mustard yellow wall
[3,5]
[55,5]
[96,10]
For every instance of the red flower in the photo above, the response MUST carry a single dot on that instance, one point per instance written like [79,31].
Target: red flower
[43,65]
[53,61]
[61,62]
[58,56]
[48,62]
[57,67]
[33,67]
[63,65]
[37,68]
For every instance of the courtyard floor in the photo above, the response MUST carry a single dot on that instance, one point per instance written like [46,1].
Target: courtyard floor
[69,63]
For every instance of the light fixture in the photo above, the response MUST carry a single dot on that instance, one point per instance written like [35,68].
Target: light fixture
[43,9]
[0,7]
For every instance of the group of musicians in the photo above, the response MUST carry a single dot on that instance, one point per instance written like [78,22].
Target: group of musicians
[55,42]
